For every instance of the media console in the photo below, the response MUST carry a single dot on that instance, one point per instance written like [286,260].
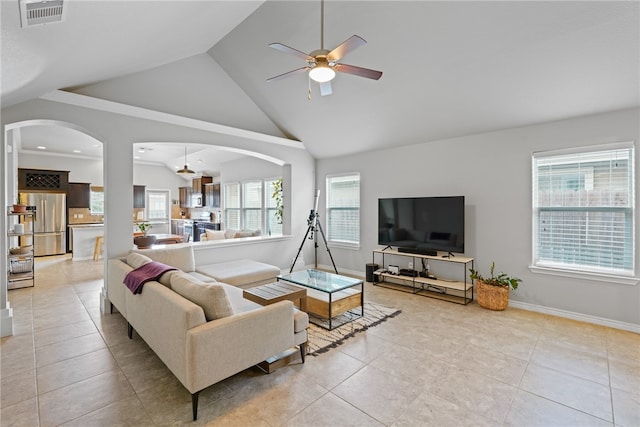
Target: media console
[458,291]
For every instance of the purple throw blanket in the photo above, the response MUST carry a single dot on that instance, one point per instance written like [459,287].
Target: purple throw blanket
[135,279]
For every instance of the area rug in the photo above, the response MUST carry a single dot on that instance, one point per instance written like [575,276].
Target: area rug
[322,340]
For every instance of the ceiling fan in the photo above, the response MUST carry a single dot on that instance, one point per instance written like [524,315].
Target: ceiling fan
[322,64]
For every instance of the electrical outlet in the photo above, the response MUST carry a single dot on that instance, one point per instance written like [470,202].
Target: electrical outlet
[410,265]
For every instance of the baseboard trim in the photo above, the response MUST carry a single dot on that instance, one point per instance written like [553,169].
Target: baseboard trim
[6,325]
[631,327]
[576,316]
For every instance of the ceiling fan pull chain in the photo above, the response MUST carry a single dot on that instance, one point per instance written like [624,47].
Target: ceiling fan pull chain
[309,93]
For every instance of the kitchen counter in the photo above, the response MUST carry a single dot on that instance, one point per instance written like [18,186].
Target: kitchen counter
[93,224]
[83,239]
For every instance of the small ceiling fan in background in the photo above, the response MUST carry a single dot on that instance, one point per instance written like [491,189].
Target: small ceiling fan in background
[322,64]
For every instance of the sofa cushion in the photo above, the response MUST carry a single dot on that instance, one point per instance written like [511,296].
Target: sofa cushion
[229,233]
[211,297]
[214,234]
[240,272]
[246,233]
[300,321]
[179,256]
[136,260]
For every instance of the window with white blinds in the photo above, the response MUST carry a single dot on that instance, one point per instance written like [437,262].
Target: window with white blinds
[249,205]
[583,210]
[231,194]
[343,209]
[158,204]
[252,205]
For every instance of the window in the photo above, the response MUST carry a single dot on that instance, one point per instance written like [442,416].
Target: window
[158,204]
[232,206]
[343,209]
[250,205]
[96,201]
[583,210]
[273,193]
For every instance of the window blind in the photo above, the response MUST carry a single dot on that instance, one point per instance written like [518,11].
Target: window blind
[343,208]
[583,209]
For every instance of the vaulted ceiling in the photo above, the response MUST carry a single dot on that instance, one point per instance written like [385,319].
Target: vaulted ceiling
[450,68]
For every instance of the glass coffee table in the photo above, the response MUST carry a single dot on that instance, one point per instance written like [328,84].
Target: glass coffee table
[329,295]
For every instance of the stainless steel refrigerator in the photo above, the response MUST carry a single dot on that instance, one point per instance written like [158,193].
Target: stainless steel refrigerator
[50,222]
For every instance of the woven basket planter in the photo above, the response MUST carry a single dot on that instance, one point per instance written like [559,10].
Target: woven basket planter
[492,297]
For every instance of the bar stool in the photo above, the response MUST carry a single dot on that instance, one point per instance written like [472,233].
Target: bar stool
[97,249]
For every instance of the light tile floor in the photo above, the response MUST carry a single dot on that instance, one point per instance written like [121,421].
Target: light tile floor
[436,364]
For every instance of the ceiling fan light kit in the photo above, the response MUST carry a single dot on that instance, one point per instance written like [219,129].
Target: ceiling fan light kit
[322,64]
[322,73]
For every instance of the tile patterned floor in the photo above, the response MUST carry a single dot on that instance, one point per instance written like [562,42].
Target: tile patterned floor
[436,364]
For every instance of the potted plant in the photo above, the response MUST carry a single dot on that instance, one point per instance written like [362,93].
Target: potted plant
[493,291]
[144,241]
[277,196]
[19,206]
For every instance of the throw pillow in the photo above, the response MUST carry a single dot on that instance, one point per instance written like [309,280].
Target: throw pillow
[178,256]
[136,260]
[214,234]
[229,233]
[240,234]
[211,297]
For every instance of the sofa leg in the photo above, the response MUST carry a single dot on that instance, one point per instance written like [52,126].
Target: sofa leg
[303,350]
[129,330]
[194,404]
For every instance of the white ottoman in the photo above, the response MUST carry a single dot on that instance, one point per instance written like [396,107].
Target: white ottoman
[243,273]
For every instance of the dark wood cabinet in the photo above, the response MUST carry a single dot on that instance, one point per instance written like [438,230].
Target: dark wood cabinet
[78,195]
[184,195]
[212,195]
[139,196]
[43,181]
[200,184]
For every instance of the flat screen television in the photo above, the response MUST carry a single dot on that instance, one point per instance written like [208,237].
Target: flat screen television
[422,223]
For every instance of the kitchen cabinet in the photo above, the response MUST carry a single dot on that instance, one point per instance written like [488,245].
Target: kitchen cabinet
[212,195]
[198,198]
[79,195]
[42,181]
[184,195]
[139,197]
[177,227]
[197,183]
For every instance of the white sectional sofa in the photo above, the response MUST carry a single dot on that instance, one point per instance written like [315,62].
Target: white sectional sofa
[203,331]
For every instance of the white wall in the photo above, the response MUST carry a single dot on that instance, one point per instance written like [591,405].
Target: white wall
[493,172]
[158,178]
[119,133]
[248,168]
[80,169]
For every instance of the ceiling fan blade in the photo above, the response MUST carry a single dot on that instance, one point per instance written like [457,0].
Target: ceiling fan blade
[286,49]
[287,74]
[347,46]
[325,89]
[358,71]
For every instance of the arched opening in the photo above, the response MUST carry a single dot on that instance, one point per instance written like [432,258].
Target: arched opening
[244,187]
[53,145]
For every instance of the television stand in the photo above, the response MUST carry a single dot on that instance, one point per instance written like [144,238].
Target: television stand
[459,291]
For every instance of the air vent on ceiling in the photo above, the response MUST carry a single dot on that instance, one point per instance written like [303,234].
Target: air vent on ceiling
[40,12]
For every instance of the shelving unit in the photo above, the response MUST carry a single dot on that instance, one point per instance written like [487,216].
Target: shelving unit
[457,291]
[20,267]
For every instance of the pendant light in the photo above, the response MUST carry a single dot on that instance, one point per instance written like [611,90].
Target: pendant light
[185,170]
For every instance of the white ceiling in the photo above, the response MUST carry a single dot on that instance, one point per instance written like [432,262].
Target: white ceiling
[450,68]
